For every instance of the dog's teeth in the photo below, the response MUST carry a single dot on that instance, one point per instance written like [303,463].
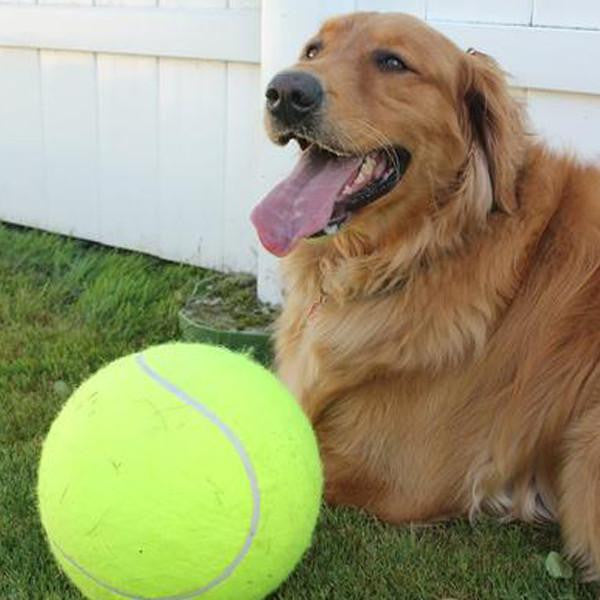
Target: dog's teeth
[347,189]
[331,229]
[367,167]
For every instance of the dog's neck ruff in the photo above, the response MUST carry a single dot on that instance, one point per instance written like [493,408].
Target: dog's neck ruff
[481,193]
[324,298]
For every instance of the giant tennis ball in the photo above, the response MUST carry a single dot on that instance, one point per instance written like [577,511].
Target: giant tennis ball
[186,471]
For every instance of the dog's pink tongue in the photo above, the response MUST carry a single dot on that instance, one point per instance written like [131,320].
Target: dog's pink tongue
[302,204]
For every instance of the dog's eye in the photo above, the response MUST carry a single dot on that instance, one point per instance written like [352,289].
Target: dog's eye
[312,50]
[388,61]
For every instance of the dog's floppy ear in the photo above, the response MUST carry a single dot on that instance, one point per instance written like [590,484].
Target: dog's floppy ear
[493,119]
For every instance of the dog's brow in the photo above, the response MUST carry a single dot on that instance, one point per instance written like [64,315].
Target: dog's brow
[337,24]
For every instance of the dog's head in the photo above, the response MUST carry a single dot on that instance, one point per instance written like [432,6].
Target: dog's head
[394,122]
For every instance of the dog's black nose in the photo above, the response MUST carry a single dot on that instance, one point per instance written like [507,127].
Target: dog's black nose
[293,95]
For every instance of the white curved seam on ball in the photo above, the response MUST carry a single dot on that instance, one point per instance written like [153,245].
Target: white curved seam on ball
[250,472]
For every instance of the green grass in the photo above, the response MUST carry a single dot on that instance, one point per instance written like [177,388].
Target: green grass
[67,307]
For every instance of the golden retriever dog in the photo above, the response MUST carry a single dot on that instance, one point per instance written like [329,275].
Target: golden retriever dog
[441,320]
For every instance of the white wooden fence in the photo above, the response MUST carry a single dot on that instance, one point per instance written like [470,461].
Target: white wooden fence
[137,123]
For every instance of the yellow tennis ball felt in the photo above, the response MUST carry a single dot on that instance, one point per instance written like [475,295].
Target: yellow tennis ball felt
[185,471]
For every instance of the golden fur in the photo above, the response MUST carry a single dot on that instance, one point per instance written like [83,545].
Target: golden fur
[446,343]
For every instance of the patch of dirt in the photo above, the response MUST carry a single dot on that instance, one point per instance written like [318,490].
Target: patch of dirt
[230,302]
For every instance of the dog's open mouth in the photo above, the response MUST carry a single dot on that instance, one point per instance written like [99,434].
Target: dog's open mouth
[322,192]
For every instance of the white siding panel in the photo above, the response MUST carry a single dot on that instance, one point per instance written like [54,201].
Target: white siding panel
[21,146]
[143,30]
[244,3]
[193,3]
[567,121]
[128,3]
[70,143]
[538,57]
[192,96]
[69,111]
[192,152]
[325,10]
[244,104]
[413,7]
[65,2]
[127,118]
[575,13]
[490,11]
